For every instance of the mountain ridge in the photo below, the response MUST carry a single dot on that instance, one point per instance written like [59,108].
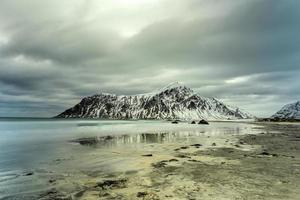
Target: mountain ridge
[175,101]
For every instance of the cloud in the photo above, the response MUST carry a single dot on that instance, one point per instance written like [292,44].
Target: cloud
[54,53]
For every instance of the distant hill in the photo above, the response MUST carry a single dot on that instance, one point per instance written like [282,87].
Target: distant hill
[288,112]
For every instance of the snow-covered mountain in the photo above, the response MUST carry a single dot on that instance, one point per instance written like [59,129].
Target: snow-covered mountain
[175,101]
[288,112]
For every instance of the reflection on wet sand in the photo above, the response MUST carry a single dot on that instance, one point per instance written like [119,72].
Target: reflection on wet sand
[164,137]
[106,141]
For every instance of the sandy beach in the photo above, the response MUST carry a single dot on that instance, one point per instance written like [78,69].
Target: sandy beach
[263,164]
[224,160]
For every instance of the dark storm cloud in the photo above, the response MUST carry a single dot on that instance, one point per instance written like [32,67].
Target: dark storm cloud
[53,53]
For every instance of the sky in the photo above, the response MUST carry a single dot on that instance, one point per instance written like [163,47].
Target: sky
[53,53]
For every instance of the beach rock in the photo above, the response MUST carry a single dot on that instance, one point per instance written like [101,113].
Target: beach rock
[79,194]
[109,184]
[214,144]
[107,137]
[288,156]
[160,164]
[185,147]
[174,122]
[265,153]
[52,180]
[193,160]
[202,121]
[182,156]
[53,194]
[147,196]
[28,173]
[87,141]
[92,140]
[147,155]
[141,194]
[193,122]
[181,148]
[196,145]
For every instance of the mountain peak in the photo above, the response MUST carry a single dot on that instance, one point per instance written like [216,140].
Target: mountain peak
[174,85]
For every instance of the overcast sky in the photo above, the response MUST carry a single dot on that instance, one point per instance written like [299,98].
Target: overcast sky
[52,53]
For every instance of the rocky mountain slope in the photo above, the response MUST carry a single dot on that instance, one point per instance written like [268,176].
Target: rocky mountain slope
[172,102]
[288,112]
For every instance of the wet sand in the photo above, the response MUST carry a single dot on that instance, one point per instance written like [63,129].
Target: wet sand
[262,166]
[219,161]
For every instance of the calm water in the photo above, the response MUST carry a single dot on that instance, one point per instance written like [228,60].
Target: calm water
[32,152]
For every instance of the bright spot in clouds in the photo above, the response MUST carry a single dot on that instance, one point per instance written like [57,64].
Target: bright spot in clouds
[136,2]
[240,79]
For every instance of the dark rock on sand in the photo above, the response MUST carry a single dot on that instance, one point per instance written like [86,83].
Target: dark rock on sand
[108,137]
[265,153]
[193,122]
[182,156]
[184,147]
[193,160]
[147,195]
[86,141]
[180,148]
[163,163]
[79,194]
[141,194]
[53,194]
[196,145]
[288,156]
[174,122]
[28,173]
[160,164]
[109,184]
[52,180]
[202,121]
[93,140]
[214,144]
[147,155]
